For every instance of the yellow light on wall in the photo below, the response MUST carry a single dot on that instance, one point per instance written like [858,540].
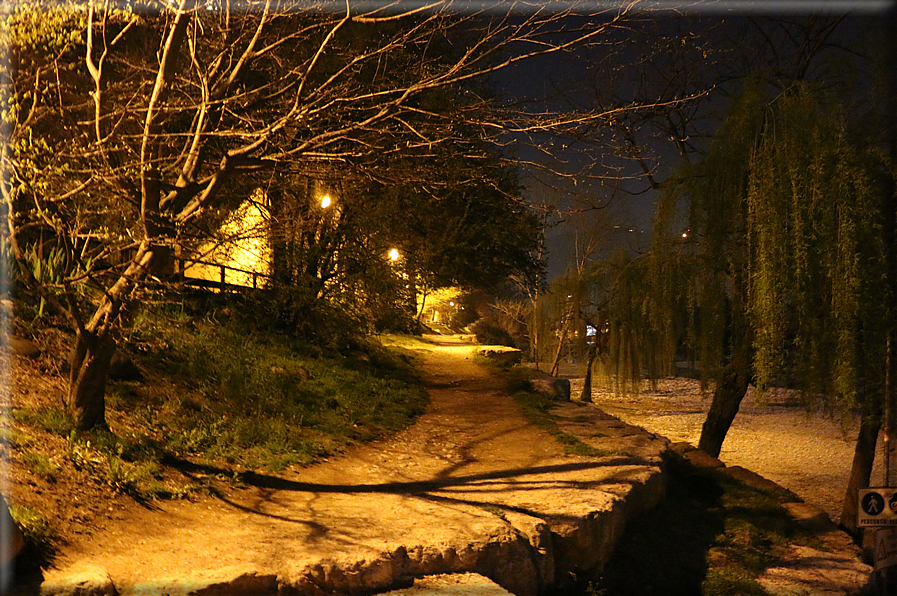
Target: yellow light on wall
[394,255]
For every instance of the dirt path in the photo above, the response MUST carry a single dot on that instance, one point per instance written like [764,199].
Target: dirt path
[434,485]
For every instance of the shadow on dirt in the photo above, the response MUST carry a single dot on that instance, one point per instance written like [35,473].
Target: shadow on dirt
[664,552]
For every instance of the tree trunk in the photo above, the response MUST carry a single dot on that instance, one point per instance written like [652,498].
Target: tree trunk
[587,384]
[861,469]
[730,390]
[557,355]
[91,360]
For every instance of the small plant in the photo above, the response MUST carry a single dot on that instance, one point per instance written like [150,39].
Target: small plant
[40,464]
[80,454]
[47,268]
[37,531]
[494,510]
[120,475]
[53,420]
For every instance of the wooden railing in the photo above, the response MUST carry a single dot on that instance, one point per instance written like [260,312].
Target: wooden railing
[221,283]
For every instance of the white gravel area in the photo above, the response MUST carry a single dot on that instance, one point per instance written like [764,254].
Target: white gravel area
[809,454]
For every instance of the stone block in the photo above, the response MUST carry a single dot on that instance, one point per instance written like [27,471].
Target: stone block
[504,357]
[557,389]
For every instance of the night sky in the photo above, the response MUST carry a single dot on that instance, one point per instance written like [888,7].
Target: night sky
[604,195]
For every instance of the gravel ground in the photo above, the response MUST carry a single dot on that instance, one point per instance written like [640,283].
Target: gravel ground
[809,454]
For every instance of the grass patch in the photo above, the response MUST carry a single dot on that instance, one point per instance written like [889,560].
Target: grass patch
[225,390]
[537,408]
[38,534]
[54,419]
[494,510]
[712,535]
[40,464]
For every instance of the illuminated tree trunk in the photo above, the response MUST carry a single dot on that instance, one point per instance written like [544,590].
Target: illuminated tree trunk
[861,469]
[587,384]
[95,345]
[730,391]
[90,363]
[557,355]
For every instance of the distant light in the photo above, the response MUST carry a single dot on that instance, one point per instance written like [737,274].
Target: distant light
[451,304]
[325,201]
[394,255]
[685,234]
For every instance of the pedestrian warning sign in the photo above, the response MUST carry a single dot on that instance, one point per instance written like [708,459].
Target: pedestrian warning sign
[877,508]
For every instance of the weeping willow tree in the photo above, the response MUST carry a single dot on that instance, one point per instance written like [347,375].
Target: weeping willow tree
[599,311]
[779,263]
[818,291]
[632,322]
[558,318]
[699,263]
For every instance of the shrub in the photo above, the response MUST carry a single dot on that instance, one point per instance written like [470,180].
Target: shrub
[491,334]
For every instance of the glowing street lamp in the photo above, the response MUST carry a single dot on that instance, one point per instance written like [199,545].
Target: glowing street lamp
[394,255]
[325,201]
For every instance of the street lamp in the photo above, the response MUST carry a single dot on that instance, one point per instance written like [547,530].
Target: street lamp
[325,201]
[394,255]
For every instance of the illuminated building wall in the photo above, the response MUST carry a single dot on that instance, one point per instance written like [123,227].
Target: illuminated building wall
[243,247]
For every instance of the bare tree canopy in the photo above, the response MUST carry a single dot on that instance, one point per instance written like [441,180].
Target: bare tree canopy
[131,129]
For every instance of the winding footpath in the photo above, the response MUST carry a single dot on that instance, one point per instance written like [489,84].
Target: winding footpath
[471,487]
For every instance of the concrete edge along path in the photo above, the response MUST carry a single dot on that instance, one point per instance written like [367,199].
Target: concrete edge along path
[472,487]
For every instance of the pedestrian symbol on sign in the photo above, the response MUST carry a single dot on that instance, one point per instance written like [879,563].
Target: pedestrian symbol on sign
[873,504]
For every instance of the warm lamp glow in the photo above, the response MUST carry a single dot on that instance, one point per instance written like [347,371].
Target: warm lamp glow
[325,201]
[394,255]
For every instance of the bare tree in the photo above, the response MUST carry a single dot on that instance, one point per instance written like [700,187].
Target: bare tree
[137,129]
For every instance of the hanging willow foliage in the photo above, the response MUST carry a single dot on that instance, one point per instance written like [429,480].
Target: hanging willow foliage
[699,251]
[810,216]
[639,343]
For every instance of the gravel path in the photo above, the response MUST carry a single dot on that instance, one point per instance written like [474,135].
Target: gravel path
[807,454]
